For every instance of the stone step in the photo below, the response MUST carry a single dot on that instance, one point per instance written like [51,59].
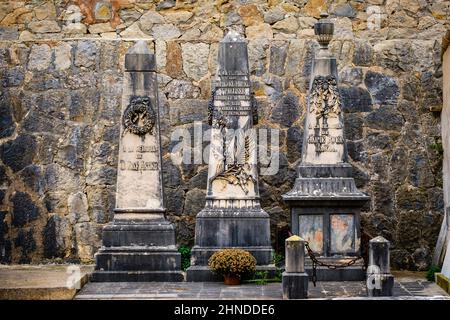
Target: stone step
[42,282]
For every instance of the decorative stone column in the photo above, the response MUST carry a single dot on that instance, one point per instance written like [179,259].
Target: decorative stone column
[295,279]
[232,216]
[325,203]
[139,244]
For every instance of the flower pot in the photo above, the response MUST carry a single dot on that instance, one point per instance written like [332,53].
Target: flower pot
[232,279]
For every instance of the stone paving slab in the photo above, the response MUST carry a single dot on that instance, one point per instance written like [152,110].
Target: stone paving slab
[42,282]
[404,289]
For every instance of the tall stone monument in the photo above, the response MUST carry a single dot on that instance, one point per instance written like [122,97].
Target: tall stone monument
[232,216]
[139,244]
[325,203]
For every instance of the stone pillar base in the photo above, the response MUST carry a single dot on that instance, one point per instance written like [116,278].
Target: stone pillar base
[387,286]
[138,251]
[295,285]
[241,228]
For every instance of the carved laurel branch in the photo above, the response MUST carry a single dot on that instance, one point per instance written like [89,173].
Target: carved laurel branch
[140,108]
[325,97]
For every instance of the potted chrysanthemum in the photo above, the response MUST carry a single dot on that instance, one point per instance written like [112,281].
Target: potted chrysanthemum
[232,264]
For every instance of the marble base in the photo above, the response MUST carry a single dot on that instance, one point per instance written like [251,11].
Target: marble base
[138,250]
[295,285]
[216,229]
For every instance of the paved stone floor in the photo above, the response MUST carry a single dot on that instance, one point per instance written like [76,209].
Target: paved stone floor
[405,288]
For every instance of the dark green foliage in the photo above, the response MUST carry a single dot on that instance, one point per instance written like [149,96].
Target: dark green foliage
[185,257]
[431,272]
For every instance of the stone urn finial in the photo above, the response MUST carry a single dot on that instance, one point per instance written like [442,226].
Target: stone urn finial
[324,30]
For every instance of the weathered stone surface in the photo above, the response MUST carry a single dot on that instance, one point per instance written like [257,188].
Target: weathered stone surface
[150,18]
[40,57]
[250,15]
[355,99]
[75,28]
[45,26]
[363,54]
[165,31]
[260,31]
[274,15]
[8,33]
[385,118]
[133,31]
[195,201]
[23,209]
[18,153]
[174,59]
[288,25]
[33,178]
[166,4]
[195,59]
[177,17]
[188,110]
[100,28]
[383,89]
[278,54]
[63,56]
[315,7]
[174,201]
[26,242]
[181,89]
[77,206]
[85,53]
[294,143]
[160,54]
[344,10]
[287,110]
[7,124]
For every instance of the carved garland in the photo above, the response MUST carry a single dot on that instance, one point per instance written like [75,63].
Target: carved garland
[139,117]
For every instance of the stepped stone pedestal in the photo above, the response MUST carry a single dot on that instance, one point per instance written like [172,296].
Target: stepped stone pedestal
[325,203]
[139,244]
[232,216]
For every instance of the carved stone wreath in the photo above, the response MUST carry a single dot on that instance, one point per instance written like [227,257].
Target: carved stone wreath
[139,111]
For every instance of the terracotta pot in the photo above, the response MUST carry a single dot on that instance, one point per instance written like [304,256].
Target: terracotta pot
[232,279]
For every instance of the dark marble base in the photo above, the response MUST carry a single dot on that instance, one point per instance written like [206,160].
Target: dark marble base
[386,287]
[352,273]
[137,276]
[295,285]
[138,250]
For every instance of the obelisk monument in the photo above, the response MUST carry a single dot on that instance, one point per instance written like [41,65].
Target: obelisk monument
[232,216]
[139,244]
[325,203]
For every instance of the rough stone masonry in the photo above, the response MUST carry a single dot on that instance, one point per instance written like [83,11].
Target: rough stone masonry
[61,66]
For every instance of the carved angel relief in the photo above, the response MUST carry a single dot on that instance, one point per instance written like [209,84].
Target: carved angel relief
[139,117]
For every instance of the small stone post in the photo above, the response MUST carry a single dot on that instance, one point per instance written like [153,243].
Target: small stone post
[380,281]
[295,279]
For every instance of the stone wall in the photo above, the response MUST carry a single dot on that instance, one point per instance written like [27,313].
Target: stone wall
[61,71]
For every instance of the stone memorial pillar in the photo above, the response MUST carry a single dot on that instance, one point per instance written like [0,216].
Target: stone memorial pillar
[139,244]
[232,216]
[380,281]
[325,203]
[295,279]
